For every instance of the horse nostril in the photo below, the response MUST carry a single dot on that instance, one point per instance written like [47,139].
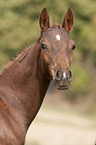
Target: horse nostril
[58,75]
[70,76]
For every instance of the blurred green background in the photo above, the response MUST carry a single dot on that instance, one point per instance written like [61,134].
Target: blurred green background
[18,29]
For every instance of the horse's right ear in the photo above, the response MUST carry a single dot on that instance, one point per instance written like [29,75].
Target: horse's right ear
[44,19]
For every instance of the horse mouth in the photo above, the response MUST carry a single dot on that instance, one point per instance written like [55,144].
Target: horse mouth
[62,87]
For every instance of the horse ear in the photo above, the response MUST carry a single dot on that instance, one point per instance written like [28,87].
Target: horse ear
[68,21]
[44,19]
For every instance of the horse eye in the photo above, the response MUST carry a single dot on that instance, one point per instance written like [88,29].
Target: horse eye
[74,46]
[43,46]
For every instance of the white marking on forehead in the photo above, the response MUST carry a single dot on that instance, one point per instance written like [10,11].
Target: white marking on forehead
[58,37]
[64,75]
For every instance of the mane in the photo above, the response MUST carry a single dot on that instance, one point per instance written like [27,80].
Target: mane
[19,58]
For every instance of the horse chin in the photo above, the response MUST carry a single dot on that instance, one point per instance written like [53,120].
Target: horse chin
[62,87]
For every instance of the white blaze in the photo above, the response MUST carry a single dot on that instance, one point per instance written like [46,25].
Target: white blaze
[58,37]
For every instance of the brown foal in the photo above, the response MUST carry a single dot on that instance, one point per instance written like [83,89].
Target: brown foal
[24,82]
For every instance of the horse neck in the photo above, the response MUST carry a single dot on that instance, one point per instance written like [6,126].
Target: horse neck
[25,85]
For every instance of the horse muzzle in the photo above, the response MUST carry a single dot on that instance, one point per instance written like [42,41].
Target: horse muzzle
[62,79]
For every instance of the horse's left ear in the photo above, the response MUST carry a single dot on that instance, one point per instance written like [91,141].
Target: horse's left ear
[68,21]
[44,19]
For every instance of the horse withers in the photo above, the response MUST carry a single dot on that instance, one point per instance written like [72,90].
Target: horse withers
[24,82]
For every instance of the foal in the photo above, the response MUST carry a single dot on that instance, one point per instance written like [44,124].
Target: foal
[24,83]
